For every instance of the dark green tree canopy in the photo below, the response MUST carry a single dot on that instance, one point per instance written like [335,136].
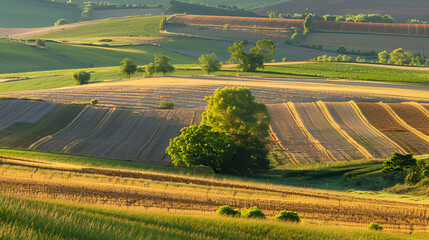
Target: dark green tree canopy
[81,77]
[128,68]
[162,64]
[254,59]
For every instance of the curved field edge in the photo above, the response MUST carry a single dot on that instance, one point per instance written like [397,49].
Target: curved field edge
[73,221]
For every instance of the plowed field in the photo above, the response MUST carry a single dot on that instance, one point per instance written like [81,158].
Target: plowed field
[413,116]
[355,124]
[379,117]
[12,111]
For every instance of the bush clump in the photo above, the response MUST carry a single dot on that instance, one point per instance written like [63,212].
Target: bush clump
[166,105]
[227,210]
[375,227]
[288,216]
[81,77]
[253,212]
[93,102]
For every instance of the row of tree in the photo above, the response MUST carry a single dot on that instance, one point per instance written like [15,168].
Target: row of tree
[205,9]
[374,18]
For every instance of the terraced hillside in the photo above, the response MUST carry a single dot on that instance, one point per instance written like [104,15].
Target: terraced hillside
[305,132]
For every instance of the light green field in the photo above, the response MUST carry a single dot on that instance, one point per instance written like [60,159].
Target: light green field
[123,27]
[20,14]
[18,57]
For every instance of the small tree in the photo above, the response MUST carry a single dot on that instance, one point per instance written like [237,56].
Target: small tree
[209,63]
[93,102]
[307,23]
[253,212]
[60,22]
[271,14]
[40,43]
[288,216]
[128,68]
[226,27]
[162,64]
[150,69]
[383,57]
[81,77]
[375,227]
[163,23]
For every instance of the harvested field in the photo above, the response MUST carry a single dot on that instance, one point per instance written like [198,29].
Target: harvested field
[317,124]
[120,134]
[189,92]
[140,190]
[412,115]
[12,111]
[380,117]
[350,119]
[275,23]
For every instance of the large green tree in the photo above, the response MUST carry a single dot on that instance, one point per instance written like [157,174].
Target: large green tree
[232,137]
[254,59]
[162,64]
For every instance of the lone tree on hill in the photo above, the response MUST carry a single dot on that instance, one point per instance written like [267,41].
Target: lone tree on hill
[161,64]
[250,61]
[210,63]
[231,137]
[40,43]
[81,77]
[128,68]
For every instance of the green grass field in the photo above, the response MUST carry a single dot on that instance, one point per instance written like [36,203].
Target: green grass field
[123,27]
[14,14]
[29,219]
[22,135]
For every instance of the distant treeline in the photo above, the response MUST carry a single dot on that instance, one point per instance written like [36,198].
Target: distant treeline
[373,18]
[204,9]
[54,3]
[89,7]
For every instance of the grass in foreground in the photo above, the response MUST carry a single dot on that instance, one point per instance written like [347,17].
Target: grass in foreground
[28,219]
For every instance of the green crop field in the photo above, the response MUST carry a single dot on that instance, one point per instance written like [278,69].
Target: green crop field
[20,14]
[123,27]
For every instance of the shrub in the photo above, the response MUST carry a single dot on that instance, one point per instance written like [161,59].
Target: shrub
[253,212]
[227,210]
[375,227]
[81,77]
[288,216]
[60,22]
[166,105]
[93,102]
[105,40]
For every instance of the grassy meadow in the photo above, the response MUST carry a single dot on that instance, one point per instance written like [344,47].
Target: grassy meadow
[64,221]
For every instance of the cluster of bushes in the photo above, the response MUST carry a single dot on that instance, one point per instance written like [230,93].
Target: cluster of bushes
[416,21]
[401,57]
[406,166]
[339,58]
[373,18]
[255,212]
[89,7]
[204,9]
[343,50]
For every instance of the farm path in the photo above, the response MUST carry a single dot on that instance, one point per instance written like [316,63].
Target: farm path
[189,92]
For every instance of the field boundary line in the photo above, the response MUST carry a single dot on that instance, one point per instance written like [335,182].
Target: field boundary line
[49,137]
[103,121]
[290,155]
[306,133]
[153,136]
[378,132]
[341,131]
[403,123]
